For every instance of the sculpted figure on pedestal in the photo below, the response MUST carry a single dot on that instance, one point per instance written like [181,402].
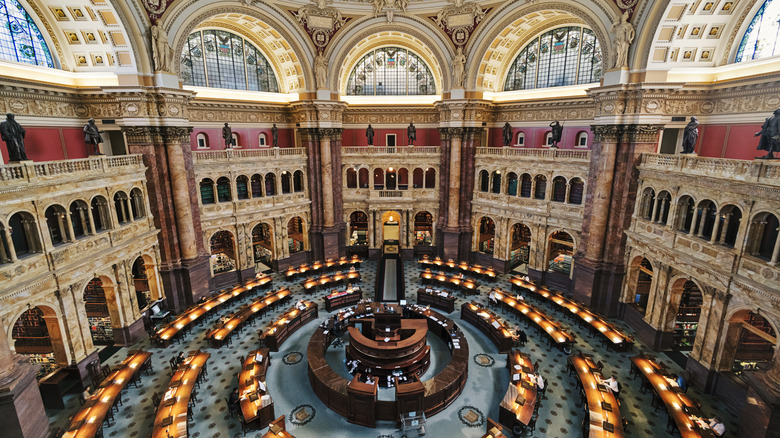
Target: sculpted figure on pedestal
[370,135]
[92,135]
[507,134]
[227,135]
[275,136]
[690,135]
[162,53]
[411,133]
[557,133]
[770,136]
[624,35]
[12,134]
[458,67]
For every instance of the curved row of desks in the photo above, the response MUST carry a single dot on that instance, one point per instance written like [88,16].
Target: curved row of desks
[441,300]
[89,419]
[306,268]
[556,335]
[605,419]
[325,280]
[517,406]
[488,273]
[288,323]
[488,323]
[171,418]
[429,396]
[220,334]
[458,281]
[338,299]
[256,404]
[614,337]
[165,335]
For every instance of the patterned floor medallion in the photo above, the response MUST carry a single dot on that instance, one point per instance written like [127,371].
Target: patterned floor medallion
[484,360]
[292,357]
[471,416]
[302,414]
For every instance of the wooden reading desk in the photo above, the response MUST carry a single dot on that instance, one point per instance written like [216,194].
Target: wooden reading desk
[350,276]
[338,299]
[603,409]
[286,324]
[556,335]
[436,298]
[219,335]
[277,429]
[488,323]
[517,406]
[463,284]
[317,266]
[256,404]
[488,273]
[89,419]
[171,418]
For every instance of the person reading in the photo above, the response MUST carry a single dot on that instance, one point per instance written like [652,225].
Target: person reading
[717,426]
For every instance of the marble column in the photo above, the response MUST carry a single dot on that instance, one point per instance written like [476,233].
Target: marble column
[21,408]
[333,242]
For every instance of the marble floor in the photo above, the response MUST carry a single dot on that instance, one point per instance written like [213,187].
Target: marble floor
[559,416]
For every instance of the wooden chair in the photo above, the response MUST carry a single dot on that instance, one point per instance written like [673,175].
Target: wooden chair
[156,400]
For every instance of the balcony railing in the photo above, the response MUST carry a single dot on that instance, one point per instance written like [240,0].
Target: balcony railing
[550,154]
[243,154]
[390,150]
[766,172]
[28,171]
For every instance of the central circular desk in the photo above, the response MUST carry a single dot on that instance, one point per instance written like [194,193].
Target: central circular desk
[357,401]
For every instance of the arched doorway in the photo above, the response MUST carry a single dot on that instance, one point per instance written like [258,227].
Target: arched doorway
[223,254]
[101,311]
[295,235]
[643,282]
[391,231]
[487,235]
[686,319]
[391,179]
[36,335]
[750,342]
[519,245]
[358,229]
[145,280]
[423,228]
[262,244]
[560,252]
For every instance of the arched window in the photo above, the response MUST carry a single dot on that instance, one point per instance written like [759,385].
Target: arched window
[242,187]
[644,279]
[430,178]
[270,184]
[379,179]
[391,179]
[236,143]
[647,203]
[511,187]
[685,214]
[298,181]
[559,189]
[563,56]
[663,202]
[358,228]
[390,71]
[525,185]
[223,190]
[519,244]
[262,140]
[761,35]
[763,235]
[576,191]
[487,235]
[262,244]
[286,183]
[403,179]
[752,348]
[582,139]
[206,191]
[137,203]
[58,228]
[495,179]
[520,139]
[686,321]
[351,178]
[548,141]
[203,141]
[729,220]
[79,219]
[423,228]
[541,186]
[120,205]
[257,186]
[561,249]
[20,39]
[100,216]
[363,178]
[418,178]
[223,256]
[219,59]
[24,234]
[484,181]
[295,237]
[706,223]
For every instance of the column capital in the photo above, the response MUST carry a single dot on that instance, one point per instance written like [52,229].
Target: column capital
[636,133]
[331,133]
[157,134]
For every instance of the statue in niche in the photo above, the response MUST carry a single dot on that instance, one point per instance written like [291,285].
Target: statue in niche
[92,135]
[507,134]
[12,134]
[557,133]
[389,5]
[458,68]
[321,71]
[370,135]
[411,133]
[275,136]
[690,135]
[162,53]
[624,35]
[770,136]
[227,135]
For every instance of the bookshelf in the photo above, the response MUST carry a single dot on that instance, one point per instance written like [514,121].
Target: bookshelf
[519,255]
[222,263]
[687,321]
[31,340]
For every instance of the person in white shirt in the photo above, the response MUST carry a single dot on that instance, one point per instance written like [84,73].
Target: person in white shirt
[492,297]
[519,297]
[717,426]
[612,384]
[539,381]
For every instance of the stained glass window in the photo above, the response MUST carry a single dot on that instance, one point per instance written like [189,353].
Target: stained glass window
[563,56]
[760,40]
[219,59]
[390,71]
[20,39]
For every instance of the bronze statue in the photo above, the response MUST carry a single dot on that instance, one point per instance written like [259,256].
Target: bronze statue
[690,135]
[92,135]
[227,135]
[370,135]
[507,134]
[275,136]
[411,133]
[770,136]
[557,133]
[12,134]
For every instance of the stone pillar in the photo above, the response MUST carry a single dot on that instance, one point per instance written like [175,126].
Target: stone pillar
[21,407]
[611,196]
[333,240]
[451,229]
[703,357]
[8,252]
[310,140]
[776,251]
[167,155]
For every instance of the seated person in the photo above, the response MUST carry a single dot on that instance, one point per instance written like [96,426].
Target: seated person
[539,382]
[179,359]
[612,384]
[717,426]
[682,384]
[520,335]
[492,297]
[519,297]
[234,397]
[87,393]
[369,379]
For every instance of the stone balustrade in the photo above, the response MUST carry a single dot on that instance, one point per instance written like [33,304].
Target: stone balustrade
[67,170]
[535,153]
[390,150]
[247,154]
[759,171]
